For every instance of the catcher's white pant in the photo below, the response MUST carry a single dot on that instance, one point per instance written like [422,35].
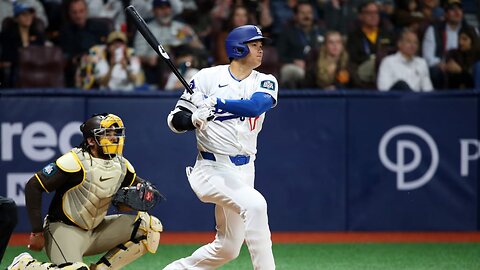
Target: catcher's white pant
[240,213]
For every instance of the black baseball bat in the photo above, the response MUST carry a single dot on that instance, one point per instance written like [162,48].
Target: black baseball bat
[156,46]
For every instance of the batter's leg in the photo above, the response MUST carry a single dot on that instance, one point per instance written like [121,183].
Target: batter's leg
[226,246]
[231,188]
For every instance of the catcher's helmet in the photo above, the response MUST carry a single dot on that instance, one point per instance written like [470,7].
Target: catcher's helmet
[235,43]
[103,128]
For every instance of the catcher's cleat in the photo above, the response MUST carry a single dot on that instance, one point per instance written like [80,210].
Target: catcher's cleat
[20,261]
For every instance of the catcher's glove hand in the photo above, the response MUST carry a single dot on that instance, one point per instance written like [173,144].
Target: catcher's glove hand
[141,197]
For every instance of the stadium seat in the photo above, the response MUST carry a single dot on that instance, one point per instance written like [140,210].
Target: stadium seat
[40,66]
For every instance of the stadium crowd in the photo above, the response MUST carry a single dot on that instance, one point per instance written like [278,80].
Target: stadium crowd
[406,45]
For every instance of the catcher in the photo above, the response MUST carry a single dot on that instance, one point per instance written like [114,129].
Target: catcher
[86,181]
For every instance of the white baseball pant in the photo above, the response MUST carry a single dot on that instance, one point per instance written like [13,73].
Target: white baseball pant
[240,213]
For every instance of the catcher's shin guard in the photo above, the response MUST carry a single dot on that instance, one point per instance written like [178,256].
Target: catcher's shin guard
[149,231]
[121,255]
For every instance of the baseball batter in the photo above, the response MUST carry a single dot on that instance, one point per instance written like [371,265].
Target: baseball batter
[85,180]
[224,170]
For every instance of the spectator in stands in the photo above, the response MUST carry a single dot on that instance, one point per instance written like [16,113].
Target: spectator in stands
[327,67]
[111,9]
[144,7]
[295,43]
[171,33]
[7,9]
[282,14]
[431,10]
[337,15]
[461,61]
[20,34]
[78,35]
[407,14]
[185,63]
[366,45]
[404,71]
[441,37]
[432,14]
[238,17]
[120,70]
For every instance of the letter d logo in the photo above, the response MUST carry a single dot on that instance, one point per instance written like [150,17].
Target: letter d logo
[400,167]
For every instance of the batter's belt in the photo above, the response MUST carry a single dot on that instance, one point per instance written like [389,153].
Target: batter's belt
[237,160]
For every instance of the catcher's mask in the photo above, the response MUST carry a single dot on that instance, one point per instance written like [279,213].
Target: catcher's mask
[107,130]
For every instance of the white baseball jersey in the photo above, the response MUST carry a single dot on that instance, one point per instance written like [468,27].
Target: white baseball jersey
[230,134]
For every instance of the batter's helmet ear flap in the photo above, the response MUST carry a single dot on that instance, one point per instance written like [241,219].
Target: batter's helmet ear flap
[236,41]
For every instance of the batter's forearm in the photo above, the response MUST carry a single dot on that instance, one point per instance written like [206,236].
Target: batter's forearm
[33,200]
[182,120]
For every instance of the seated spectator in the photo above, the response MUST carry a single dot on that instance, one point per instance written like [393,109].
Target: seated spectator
[295,43]
[461,61]
[144,7]
[112,9]
[120,69]
[78,35]
[282,14]
[366,45]
[171,33]
[407,14]
[85,74]
[22,33]
[431,10]
[327,67]
[441,37]
[238,17]
[185,62]
[337,15]
[404,71]
[7,9]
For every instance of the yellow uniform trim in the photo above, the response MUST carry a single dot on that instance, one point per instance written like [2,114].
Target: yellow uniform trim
[63,198]
[41,183]
[133,179]
[131,169]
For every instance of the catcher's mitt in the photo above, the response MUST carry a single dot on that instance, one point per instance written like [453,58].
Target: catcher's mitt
[142,197]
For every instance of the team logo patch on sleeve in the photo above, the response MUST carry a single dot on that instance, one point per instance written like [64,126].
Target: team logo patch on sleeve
[50,169]
[268,84]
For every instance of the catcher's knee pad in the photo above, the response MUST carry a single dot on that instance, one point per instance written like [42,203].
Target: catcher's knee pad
[145,240]
[151,228]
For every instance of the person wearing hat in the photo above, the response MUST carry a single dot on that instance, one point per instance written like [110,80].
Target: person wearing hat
[441,37]
[21,33]
[120,69]
[170,33]
[7,9]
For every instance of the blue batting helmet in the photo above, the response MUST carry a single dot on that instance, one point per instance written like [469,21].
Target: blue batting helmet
[235,43]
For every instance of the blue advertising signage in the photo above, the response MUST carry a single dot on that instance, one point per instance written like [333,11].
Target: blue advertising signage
[345,161]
